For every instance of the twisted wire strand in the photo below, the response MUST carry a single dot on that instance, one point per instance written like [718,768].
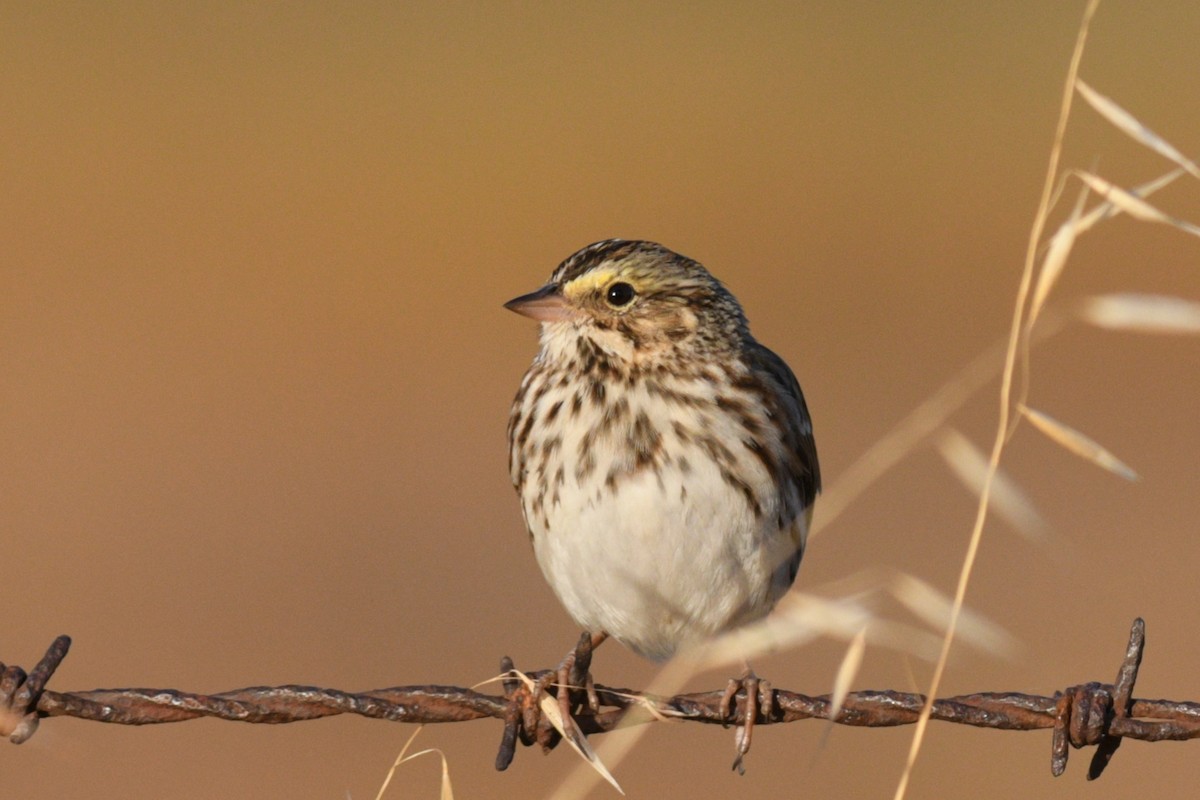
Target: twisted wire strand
[1090,714]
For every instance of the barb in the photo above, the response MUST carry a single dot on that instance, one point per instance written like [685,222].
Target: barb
[1090,714]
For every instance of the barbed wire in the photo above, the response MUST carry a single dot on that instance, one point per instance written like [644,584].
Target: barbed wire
[1090,714]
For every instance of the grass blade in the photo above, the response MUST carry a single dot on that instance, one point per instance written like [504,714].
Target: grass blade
[1064,238]
[1143,313]
[846,673]
[1056,257]
[1129,124]
[1007,498]
[1079,444]
[570,732]
[1133,205]
[447,790]
[1107,209]
[935,609]
[800,619]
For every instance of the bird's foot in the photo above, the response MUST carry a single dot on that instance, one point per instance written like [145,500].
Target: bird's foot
[524,720]
[574,675]
[759,702]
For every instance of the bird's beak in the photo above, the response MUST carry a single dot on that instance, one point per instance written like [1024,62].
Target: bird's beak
[547,304]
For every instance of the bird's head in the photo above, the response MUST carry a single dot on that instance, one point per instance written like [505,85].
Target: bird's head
[637,301]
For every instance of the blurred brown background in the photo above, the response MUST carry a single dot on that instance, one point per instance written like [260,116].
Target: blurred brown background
[256,370]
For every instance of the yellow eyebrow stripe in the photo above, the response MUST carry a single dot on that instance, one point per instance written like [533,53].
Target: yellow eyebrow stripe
[589,282]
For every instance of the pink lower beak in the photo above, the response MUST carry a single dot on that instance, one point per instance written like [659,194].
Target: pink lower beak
[547,304]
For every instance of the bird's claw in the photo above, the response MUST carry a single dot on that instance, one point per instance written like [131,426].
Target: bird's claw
[524,719]
[574,674]
[759,703]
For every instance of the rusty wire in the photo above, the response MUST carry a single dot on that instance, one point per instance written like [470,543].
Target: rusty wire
[1090,714]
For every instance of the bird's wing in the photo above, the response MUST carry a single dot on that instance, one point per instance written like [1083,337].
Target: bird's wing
[786,403]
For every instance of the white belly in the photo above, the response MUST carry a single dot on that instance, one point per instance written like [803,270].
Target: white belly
[657,565]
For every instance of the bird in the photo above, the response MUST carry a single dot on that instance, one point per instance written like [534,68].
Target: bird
[663,457]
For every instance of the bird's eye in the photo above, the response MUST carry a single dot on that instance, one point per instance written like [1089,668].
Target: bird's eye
[619,294]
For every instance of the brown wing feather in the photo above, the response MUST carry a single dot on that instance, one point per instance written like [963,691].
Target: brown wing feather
[799,472]
[786,402]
